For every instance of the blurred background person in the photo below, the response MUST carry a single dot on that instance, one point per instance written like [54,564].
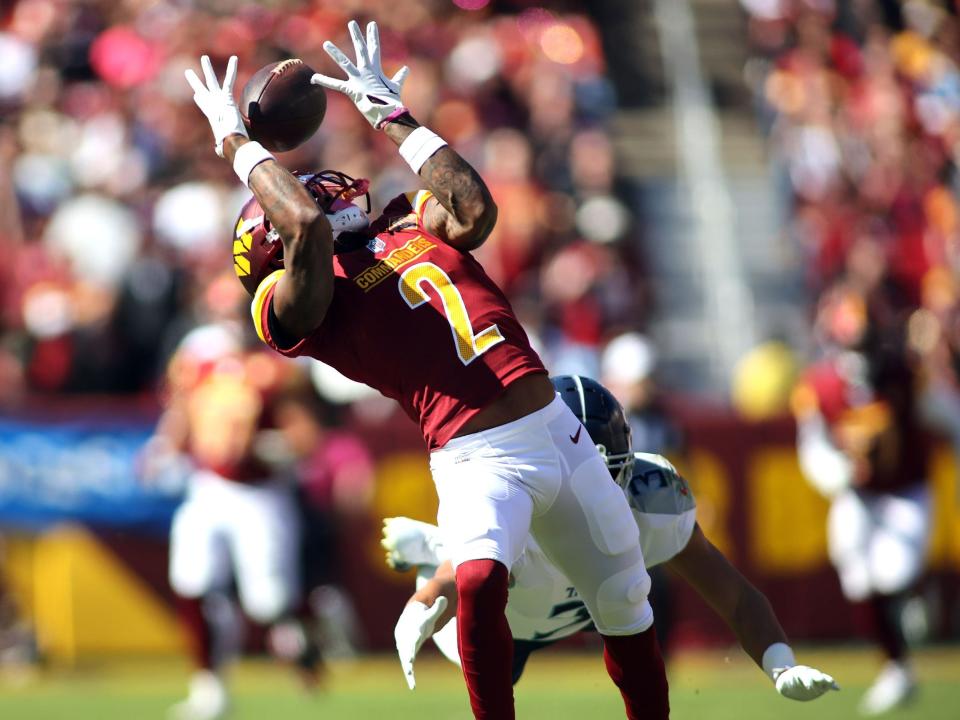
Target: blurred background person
[860,443]
[628,366]
[335,484]
[239,520]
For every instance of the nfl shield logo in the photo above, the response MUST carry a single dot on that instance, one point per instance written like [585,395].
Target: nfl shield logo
[376,245]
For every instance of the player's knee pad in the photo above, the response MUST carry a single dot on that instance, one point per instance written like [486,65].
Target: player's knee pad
[895,564]
[267,602]
[621,604]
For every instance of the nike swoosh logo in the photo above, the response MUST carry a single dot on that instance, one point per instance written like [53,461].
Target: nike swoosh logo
[576,438]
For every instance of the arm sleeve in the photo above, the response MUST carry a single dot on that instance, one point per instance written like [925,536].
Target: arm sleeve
[265,321]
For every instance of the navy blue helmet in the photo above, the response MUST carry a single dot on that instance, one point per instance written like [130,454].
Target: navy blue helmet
[604,420]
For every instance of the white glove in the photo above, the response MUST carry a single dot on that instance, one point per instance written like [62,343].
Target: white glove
[217,101]
[801,682]
[415,625]
[376,97]
[411,542]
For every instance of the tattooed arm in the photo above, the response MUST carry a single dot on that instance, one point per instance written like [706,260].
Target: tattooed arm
[304,292]
[464,212]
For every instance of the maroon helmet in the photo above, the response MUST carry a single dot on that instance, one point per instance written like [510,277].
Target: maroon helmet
[257,248]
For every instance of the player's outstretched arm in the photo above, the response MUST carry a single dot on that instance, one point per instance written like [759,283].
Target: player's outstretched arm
[464,212]
[304,292]
[748,613]
[429,608]
[442,584]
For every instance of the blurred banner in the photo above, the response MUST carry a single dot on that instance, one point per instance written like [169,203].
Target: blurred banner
[83,470]
[75,581]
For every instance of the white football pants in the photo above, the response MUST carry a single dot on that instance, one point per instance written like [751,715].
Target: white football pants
[251,530]
[877,541]
[542,475]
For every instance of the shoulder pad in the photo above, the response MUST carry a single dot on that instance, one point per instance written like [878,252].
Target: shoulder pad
[656,487]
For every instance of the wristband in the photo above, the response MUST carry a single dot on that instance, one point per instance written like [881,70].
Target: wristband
[399,112]
[419,146]
[777,658]
[248,156]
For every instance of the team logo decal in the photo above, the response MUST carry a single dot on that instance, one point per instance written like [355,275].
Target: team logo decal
[376,245]
[241,246]
[404,255]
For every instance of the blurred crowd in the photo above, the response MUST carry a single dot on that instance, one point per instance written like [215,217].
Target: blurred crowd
[862,104]
[117,213]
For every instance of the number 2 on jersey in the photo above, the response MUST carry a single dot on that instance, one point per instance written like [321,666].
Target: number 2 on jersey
[469,345]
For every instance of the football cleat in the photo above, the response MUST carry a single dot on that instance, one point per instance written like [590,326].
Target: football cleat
[894,686]
[293,643]
[207,699]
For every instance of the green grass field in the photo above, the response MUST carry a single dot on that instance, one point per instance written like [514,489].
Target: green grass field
[556,685]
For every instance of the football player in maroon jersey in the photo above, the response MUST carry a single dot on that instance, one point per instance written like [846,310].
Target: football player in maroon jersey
[400,304]
[239,518]
[861,444]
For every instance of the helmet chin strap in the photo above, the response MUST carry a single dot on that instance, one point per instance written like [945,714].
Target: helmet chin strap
[348,219]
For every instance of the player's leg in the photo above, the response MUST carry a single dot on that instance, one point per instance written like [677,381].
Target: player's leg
[199,565]
[484,514]
[265,545]
[895,555]
[589,532]
[849,528]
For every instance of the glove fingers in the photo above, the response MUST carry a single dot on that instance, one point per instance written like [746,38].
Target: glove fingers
[209,75]
[396,82]
[198,87]
[373,44]
[340,59]
[231,75]
[328,82]
[359,46]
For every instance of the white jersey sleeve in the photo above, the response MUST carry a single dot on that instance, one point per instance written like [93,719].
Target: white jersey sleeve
[663,506]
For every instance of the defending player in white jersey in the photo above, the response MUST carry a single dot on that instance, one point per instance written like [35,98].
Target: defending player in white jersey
[543,606]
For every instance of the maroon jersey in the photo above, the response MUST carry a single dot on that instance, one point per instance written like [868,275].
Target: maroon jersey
[869,409]
[417,320]
[227,396]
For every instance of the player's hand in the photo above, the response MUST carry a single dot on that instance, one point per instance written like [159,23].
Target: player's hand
[410,542]
[801,682]
[415,625]
[216,100]
[376,96]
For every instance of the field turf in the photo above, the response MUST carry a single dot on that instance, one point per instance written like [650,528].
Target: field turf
[557,685]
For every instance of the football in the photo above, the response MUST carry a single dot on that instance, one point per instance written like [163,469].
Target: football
[280,108]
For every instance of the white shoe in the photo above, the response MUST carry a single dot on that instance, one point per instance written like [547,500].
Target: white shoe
[207,699]
[894,686]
